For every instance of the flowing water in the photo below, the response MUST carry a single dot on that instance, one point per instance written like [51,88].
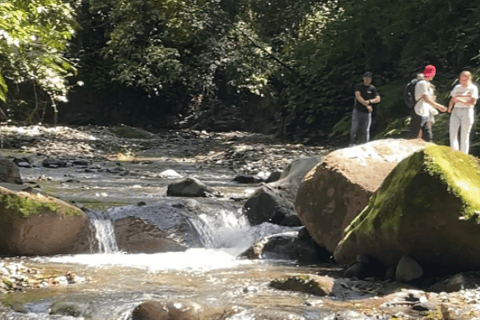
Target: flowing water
[210,273]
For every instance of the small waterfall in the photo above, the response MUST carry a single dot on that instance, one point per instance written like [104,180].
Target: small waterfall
[104,232]
[223,229]
[227,230]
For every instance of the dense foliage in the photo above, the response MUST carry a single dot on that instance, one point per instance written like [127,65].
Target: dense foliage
[33,37]
[150,58]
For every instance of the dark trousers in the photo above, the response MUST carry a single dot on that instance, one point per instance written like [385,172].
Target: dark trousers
[362,121]
[418,124]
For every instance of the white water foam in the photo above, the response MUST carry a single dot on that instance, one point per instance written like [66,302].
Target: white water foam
[192,260]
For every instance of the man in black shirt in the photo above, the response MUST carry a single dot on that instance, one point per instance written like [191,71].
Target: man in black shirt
[365,96]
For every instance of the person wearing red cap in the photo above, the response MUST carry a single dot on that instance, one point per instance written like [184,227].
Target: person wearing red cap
[425,101]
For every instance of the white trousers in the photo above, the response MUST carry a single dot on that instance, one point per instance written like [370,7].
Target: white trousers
[461,119]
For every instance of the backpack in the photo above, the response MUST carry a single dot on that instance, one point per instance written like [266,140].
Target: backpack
[409,93]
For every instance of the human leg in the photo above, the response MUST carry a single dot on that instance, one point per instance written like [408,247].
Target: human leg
[415,126]
[427,133]
[355,126]
[454,125]
[365,123]
[466,123]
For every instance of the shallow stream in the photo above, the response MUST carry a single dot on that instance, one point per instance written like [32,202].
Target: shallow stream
[210,274]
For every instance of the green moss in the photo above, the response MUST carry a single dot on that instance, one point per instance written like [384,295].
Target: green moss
[25,206]
[390,201]
[12,205]
[8,283]
[452,171]
[460,172]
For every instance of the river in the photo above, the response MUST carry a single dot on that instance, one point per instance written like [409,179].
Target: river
[210,274]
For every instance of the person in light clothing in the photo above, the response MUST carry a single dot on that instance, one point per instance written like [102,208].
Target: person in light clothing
[464,97]
[425,97]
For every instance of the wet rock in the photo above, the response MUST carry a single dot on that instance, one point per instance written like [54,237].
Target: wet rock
[133,235]
[312,284]
[72,308]
[54,163]
[9,172]
[455,283]
[167,310]
[274,176]
[267,205]
[287,246]
[191,187]
[336,190]
[171,219]
[273,202]
[245,178]
[23,162]
[80,163]
[358,270]
[408,269]
[34,224]
[437,287]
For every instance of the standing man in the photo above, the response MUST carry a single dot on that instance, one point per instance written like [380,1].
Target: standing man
[425,101]
[365,96]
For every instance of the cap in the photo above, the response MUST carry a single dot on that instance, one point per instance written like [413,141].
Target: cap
[368,74]
[429,71]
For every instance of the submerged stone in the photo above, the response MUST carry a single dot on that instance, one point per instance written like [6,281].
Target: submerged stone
[427,208]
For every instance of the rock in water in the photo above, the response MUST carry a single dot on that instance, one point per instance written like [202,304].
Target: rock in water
[334,192]
[35,224]
[427,208]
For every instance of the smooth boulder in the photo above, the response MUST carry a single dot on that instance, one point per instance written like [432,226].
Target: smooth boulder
[134,235]
[336,190]
[427,209]
[35,224]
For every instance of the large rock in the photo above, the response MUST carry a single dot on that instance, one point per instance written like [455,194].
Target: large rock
[169,225]
[9,172]
[274,202]
[427,209]
[334,192]
[34,224]
[134,235]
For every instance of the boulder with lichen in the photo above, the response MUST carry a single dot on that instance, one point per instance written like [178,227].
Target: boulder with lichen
[427,208]
[336,190]
[36,224]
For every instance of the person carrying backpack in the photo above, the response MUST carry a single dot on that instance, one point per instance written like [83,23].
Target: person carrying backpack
[424,102]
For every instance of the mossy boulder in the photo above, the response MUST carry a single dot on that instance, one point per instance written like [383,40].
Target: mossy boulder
[35,224]
[427,208]
[336,190]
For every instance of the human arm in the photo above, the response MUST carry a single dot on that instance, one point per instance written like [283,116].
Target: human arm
[366,103]
[466,98]
[434,104]
[450,105]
